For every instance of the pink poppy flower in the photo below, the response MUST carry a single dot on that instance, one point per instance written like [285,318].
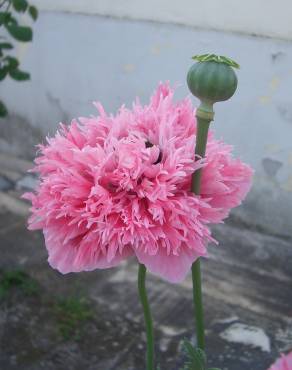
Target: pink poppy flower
[115,186]
[283,363]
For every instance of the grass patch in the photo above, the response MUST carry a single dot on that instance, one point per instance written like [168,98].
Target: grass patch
[72,313]
[17,279]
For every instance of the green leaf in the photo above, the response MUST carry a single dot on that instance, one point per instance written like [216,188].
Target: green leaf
[19,75]
[213,368]
[11,62]
[6,45]
[20,33]
[33,12]
[11,20]
[3,73]
[7,19]
[3,17]
[196,357]
[20,5]
[3,110]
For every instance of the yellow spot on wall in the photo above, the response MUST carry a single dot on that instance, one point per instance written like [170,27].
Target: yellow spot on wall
[156,50]
[272,148]
[274,83]
[128,68]
[288,184]
[265,99]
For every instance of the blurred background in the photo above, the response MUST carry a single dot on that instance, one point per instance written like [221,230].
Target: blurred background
[112,51]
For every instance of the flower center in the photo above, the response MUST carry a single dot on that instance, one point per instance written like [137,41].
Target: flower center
[148,144]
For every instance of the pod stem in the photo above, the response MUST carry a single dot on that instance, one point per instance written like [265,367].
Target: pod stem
[147,317]
[205,115]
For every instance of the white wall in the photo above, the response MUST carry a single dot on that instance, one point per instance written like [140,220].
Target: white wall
[75,59]
[261,17]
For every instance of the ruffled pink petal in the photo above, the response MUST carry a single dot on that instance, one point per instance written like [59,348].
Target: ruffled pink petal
[75,256]
[283,363]
[172,268]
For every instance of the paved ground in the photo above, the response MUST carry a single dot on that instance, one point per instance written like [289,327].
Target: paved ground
[93,320]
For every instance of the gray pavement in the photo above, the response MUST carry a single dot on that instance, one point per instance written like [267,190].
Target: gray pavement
[93,320]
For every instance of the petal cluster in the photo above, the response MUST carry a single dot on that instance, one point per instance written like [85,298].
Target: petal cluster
[283,363]
[115,186]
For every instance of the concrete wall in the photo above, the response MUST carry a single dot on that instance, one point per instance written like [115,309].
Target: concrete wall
[76,59]
[260,17]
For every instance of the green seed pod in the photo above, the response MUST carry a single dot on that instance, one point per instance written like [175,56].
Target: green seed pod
[212,78]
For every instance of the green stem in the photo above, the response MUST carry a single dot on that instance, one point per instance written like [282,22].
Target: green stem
[198,304]
[201,142]
[147,317]
[203,122]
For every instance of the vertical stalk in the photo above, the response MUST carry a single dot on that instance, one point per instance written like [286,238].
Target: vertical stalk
[203,122]
[198,303]
[147,317]
[212,79]
[201,142]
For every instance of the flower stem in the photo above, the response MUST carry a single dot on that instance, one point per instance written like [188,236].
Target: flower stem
[198,304]
[203,121]
[147,317]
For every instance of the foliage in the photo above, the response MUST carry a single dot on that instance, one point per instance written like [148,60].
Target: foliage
[217,59]
[196,358]
[18,279]
[9,65]
[71,313]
